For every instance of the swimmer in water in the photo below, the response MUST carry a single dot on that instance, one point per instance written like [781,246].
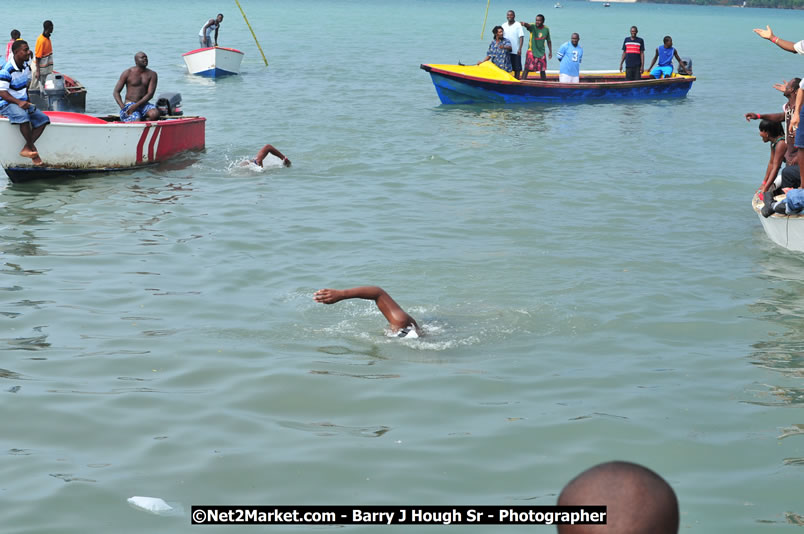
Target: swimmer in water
[637,499]
[402,324]
[270,149]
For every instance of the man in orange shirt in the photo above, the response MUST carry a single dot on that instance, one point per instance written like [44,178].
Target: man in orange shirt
[44,53]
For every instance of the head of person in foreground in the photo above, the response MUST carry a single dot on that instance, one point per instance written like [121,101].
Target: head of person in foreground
[638,500]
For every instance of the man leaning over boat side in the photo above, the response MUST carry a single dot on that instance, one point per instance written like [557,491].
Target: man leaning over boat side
[790,175]
[140,84]
[205,35]
[14,78]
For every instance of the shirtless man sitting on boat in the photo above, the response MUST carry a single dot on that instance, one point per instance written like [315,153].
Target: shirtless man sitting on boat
[402,324]
[140,84]
[14,104]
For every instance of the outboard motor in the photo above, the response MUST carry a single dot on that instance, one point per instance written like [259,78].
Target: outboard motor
[54,93]
[687,67]
[169,104]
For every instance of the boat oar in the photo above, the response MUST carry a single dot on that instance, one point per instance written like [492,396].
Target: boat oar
[484,19]
[252,32]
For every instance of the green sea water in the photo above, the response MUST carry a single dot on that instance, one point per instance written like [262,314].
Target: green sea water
[592,279]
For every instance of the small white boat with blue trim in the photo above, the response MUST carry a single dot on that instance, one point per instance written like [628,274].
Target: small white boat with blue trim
[213,62]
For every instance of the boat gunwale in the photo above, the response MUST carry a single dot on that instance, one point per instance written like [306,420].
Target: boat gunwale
[545,84]
[198,50]
[117,124]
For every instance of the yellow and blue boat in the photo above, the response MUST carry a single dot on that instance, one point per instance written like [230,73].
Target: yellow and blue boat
[486,83]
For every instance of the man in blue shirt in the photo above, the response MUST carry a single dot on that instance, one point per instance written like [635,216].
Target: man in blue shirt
[665,55]
[14,78]
[570,55]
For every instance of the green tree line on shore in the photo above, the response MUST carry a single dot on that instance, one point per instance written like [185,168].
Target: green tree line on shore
[782,4]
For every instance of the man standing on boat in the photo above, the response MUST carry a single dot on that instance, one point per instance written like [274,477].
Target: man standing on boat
[536,60]
[14,78]
[44,54]
[205,35]
[512,30]
[570,55]
[633,56]
[140,84]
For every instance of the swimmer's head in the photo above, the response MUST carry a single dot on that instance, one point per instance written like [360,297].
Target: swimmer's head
[637,500]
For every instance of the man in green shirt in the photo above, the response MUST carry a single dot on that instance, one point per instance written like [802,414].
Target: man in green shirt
[536,58]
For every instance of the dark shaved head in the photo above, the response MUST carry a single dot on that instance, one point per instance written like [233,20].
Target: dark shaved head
[639,501]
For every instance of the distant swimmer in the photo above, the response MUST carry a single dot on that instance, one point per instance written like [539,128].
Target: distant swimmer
[638,500]
[402,324]
[270,149]
[140,83]
[205,35]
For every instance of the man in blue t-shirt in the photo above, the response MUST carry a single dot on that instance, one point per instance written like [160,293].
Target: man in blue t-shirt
[633,56]
[570,55]
[665,55]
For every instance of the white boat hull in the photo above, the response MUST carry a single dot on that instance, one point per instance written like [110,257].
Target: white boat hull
[214,62]
[75,143]
[785,230]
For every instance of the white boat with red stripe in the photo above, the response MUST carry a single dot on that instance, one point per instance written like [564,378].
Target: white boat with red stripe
[213,62]
[74,143]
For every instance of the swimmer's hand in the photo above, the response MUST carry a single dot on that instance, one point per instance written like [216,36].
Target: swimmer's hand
[328,296]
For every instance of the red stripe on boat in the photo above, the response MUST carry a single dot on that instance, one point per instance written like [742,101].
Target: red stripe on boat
[141,142]
[154,137]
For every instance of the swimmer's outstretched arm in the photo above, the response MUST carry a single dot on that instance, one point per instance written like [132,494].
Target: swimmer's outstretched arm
[270,149]
[396,316]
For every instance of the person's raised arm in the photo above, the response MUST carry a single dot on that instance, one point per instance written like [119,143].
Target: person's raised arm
[767,33]
[393,313]
[270,149]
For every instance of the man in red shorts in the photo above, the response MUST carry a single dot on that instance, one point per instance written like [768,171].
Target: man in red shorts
[536,58]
